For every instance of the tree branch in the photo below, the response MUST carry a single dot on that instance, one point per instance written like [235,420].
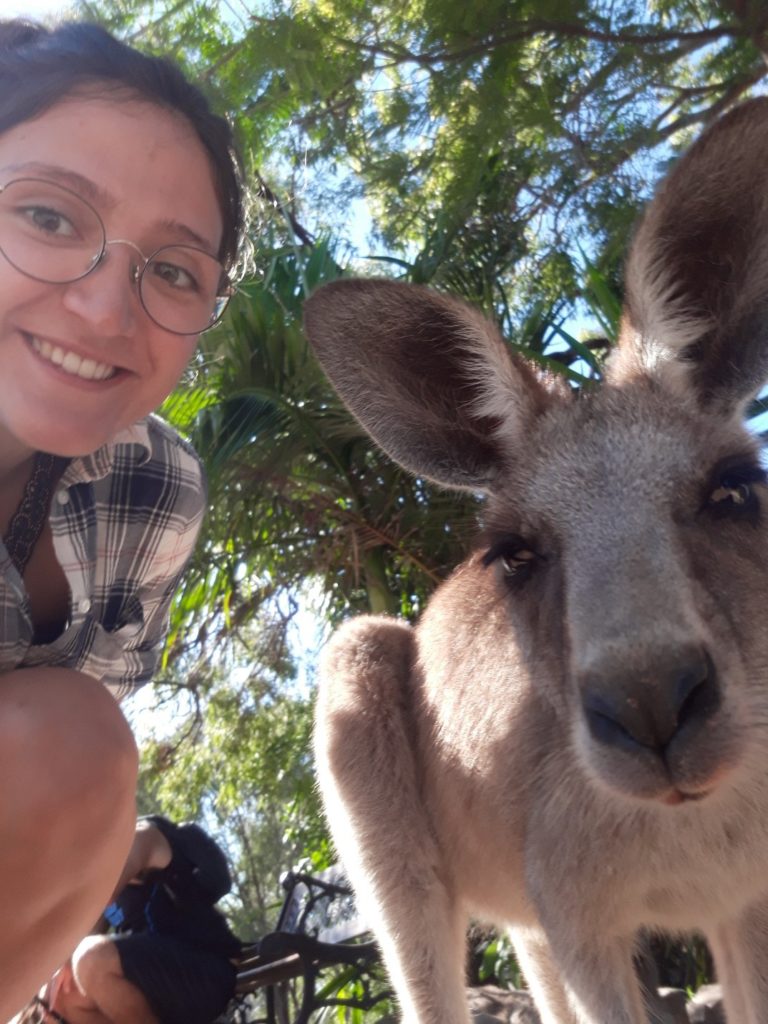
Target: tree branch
[265,192]
[537,27]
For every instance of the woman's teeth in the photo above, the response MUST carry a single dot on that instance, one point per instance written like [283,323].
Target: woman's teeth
[72,363]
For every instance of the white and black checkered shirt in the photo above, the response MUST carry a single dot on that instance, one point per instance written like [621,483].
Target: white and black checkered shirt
[124,523]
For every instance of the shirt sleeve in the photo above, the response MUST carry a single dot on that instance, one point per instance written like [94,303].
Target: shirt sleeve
[149,546]
[138,658]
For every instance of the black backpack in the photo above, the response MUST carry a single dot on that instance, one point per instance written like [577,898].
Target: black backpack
[199,865]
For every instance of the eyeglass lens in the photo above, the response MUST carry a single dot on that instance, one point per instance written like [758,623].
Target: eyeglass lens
[50,234]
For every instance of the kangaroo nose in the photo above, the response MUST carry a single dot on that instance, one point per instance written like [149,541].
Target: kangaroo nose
[649,707]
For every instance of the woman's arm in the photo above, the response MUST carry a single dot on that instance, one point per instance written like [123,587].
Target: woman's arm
[149,851]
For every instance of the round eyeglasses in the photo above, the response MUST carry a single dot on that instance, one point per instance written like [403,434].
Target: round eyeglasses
[51,234]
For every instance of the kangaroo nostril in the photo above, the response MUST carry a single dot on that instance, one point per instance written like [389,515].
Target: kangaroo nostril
[605,727]
[648,708]
[688,680]
[698,695]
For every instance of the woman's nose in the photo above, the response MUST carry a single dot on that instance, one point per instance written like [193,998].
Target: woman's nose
[107,297]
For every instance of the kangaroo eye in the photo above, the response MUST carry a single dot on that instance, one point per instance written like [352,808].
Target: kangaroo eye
[516,557]
[733,494]
[517,561]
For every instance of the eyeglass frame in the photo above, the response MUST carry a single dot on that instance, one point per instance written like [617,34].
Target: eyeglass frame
[136,273]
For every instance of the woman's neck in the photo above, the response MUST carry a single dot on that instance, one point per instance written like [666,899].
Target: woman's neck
[15,462]
[13,482]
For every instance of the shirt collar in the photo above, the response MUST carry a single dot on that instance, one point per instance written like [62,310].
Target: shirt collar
[99,463]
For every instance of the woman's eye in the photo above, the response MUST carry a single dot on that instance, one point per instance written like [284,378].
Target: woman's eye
[174,276]
[50,221]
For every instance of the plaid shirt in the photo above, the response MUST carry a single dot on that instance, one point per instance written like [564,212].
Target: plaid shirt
[124,522]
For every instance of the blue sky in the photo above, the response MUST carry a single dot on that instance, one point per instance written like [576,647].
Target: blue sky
[33,8]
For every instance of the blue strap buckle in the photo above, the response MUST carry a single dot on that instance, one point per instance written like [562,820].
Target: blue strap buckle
[114,915]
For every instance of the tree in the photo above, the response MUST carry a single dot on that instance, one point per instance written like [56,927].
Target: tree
[494,146]
[238,758]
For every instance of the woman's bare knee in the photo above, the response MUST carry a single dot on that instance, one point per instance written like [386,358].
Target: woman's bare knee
[67,813]
[66,745]
[68,817]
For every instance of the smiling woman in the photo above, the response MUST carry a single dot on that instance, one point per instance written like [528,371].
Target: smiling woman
[96,348]
[120,219]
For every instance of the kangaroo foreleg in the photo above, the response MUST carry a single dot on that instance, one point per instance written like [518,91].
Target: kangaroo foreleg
[740,951]
[369,778]
[543,976]
[593,982]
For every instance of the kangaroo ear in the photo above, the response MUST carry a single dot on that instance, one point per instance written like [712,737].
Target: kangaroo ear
[696,312]
[430,379]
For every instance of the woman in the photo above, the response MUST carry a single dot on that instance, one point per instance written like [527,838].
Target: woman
[120,215]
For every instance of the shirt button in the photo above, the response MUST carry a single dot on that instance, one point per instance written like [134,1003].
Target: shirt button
[84,605]
[62,496]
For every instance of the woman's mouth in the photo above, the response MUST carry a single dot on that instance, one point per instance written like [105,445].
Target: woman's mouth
[70,362]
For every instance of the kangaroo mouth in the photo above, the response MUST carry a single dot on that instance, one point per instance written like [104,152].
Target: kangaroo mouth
[675,797]
[689,770]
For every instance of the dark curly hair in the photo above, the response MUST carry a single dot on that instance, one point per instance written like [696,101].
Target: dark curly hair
[39,66]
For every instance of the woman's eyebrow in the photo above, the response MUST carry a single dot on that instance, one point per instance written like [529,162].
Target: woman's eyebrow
[96,195]
[185,232]
[84,187]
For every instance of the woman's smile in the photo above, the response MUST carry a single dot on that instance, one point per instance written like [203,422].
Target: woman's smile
[70,363]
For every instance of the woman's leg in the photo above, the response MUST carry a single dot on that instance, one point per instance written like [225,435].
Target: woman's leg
[99,976]
[146,977]
[68,767]
[66,1000]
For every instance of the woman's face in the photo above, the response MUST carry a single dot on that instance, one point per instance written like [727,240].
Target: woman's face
[149,178]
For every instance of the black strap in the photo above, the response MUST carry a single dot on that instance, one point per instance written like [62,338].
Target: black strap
[54,1014]
[29,518]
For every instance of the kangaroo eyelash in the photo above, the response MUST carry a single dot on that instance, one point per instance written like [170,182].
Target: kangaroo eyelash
[732,472]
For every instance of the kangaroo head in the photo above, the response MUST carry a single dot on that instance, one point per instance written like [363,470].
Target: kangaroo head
[625,532]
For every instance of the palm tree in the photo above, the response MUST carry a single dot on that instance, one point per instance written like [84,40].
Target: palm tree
[297,491]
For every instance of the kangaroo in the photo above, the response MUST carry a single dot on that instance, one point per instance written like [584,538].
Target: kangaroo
[573,742]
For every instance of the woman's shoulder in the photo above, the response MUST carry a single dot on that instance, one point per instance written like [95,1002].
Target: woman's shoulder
[147,477]
[148,447]
[153,440]
[153,462]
